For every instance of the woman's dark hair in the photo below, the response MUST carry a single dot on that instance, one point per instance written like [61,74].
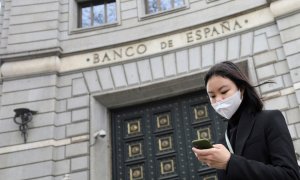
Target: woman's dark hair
[229,70]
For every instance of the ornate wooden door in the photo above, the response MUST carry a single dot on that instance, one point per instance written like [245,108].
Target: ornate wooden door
[152,141]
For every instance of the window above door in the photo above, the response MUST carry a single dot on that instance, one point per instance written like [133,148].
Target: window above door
[89,15]
[155,6]
[96,13]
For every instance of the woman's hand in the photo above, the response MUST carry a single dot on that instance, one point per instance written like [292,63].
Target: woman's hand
[216,157]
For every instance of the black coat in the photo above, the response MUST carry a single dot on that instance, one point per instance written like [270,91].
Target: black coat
[263,149]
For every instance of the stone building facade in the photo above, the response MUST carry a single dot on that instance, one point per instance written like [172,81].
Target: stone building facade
[79,78]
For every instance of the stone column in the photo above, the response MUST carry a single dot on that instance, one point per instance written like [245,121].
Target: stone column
[287,16]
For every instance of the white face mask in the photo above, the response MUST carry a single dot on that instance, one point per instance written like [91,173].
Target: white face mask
[227,107]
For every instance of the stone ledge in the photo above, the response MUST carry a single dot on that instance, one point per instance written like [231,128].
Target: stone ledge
[279,93]
[24,55]
[36,66]
[45,143]
[283,7]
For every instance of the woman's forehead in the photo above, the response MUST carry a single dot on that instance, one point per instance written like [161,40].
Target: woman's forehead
[216,82]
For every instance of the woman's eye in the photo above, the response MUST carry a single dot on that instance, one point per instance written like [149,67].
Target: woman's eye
[224,92]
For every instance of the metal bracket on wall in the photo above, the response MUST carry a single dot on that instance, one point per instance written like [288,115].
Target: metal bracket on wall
[22,117]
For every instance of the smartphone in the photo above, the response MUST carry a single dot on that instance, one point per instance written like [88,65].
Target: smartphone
[202,144]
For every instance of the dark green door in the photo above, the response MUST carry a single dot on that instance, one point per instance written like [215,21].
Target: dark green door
[153,141]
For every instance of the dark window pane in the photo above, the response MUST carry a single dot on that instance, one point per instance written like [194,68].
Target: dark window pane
[99,16]
[111,12]
[86,17]
[95,13]
[166,5]
[152,6]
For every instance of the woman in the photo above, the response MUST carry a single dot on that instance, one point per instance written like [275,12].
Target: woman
[259,146]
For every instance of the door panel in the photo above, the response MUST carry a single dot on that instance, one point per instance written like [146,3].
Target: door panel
[153,140]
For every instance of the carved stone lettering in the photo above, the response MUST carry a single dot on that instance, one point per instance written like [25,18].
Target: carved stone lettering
[106,58]
[141,49]
[200,34]
[129,51]
[237,25]
[225,26]
[213,31]
[119,53]
[168,44]
[96,58]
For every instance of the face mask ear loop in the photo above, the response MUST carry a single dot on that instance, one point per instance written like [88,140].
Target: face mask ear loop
[242,94]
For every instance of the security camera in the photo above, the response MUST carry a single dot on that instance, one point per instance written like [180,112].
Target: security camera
[101,133]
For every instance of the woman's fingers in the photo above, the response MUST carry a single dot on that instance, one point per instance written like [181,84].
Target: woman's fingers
[216,157]
[219,146]
[202,155]
[202,152]
[196,154]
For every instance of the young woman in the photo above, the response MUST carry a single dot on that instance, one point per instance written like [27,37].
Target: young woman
[257,144]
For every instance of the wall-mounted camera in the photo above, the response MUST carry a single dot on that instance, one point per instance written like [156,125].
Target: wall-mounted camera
[100,134]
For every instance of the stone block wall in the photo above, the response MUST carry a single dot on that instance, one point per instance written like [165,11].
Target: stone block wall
[43,26]
[290,37]
[73,106]
[57,136]
[30,25]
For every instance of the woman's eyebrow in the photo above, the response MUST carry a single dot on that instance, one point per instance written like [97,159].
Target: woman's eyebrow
[209,92]
[224,86]
[219,89]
